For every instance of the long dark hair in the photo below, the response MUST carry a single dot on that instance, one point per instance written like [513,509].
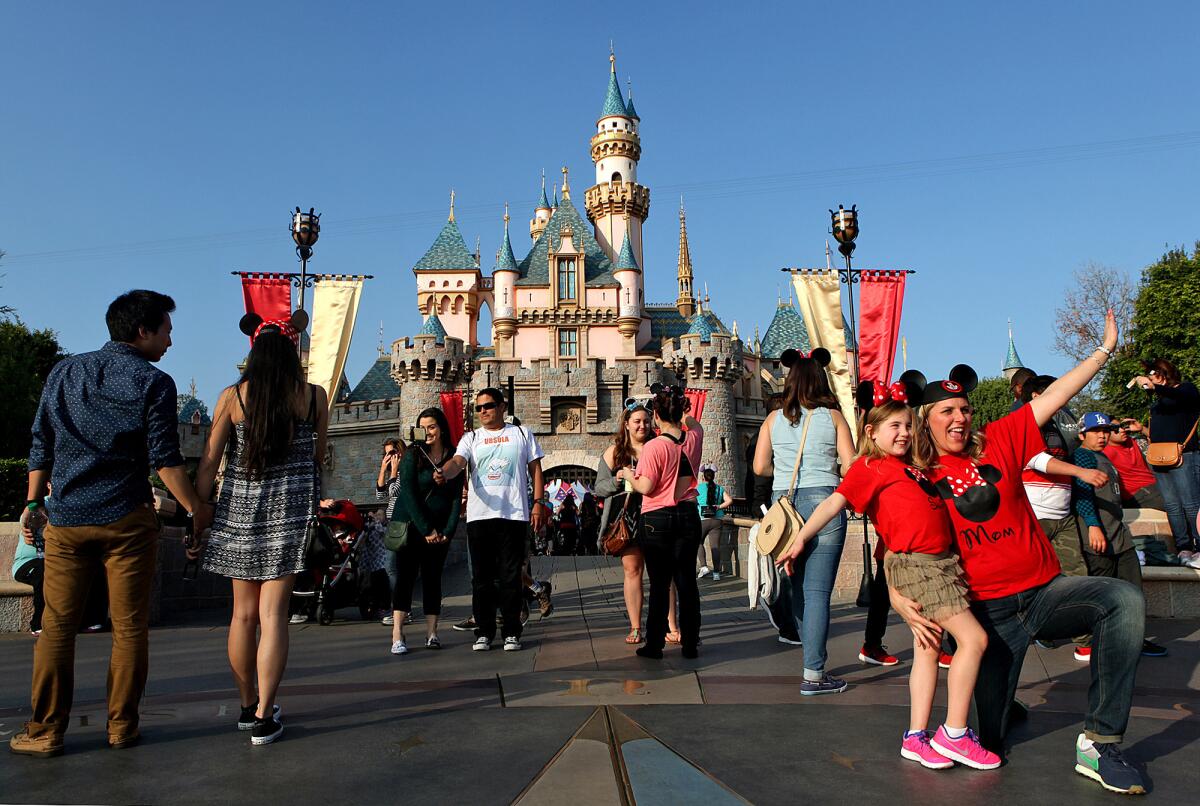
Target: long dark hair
[806,387]
[272,377]
[439,417]
[670,403]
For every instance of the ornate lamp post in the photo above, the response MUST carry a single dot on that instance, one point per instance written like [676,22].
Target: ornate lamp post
[306,228]
[845,231]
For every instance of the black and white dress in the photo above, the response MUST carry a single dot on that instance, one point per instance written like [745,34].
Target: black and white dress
[260,522]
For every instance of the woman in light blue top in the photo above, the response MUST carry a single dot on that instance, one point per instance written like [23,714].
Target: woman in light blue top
[807,396]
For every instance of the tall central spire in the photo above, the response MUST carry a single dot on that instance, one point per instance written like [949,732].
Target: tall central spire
[685,303]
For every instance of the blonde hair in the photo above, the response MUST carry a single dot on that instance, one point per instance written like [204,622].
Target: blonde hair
[874,418]
[924,449]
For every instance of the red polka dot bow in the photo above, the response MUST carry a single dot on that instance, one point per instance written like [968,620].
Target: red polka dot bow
[284,326]
[882,394]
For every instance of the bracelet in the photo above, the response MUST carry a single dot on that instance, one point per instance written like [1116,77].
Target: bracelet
[1104,350]
[34,503]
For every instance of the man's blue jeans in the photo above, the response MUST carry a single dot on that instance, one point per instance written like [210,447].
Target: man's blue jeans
[805,595]
[1180,487]
[1112,610]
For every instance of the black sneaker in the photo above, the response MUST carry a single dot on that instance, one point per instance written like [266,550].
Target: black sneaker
[826,685]
[265,731]
[1153,650]
[246,720]
[466,625]
[1104,764]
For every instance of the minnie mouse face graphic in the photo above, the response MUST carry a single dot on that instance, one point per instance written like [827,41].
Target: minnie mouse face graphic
[974,495]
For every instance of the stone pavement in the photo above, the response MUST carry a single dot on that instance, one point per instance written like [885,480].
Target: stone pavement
[574,718]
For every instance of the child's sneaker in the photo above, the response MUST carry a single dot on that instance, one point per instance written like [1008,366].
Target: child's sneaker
[877,656]
[1105,764]
[965,750]
[944,660]
[916,748]
[1083,654]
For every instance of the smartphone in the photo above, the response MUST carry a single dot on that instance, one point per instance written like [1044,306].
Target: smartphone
[416,434]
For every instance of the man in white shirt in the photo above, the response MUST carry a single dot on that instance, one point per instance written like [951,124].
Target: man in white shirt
[502,459]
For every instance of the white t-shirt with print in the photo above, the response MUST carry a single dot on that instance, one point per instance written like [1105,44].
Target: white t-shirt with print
[498,462]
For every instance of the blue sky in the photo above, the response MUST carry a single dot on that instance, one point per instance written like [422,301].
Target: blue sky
[994,148]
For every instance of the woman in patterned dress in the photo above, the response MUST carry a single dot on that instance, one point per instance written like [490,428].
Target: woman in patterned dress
[271,427]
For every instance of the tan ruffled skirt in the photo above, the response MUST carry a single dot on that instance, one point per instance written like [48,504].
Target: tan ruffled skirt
[933,581]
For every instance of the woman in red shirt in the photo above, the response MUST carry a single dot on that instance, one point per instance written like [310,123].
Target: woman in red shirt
[1011,570]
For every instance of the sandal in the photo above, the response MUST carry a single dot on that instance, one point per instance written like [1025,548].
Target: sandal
[635,636]
[674,638]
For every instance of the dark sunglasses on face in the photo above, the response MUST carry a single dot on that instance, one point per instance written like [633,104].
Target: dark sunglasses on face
[485,406]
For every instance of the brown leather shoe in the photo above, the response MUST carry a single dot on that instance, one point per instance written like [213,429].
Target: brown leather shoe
[43,746]
[122,742]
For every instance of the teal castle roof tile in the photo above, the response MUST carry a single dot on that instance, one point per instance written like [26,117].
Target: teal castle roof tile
[433,327]
[613,105]
[667,323]
[1012,360]
[626,260]
[377,384]
[629,106]
[449,251]
[535,268]
[506,261]
[189,405]
[786,330]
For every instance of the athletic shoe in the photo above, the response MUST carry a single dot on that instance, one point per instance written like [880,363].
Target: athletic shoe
[388,620]
[298,618]
[1083,654]
[788,639]
[1043,644]
[432,642]
[704,571]
[716,576]
[35,633]
[466,625]
[408,618]
[916,748]
[512,644]
[43,746]
[482,644]
[93,628]
[944,660]
[265,731]
[246,720]
[399,648]
[1105,764]
[124,742]
[1153,650]
[877,656]
[826,685]
[545,606]
[966,749]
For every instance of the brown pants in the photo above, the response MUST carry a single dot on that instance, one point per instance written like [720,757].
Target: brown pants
[127,550]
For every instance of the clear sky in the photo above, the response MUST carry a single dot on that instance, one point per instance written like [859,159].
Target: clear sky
[994,148]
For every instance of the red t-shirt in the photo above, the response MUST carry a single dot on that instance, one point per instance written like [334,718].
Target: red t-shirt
[1003,548]
[902,502]
[1132,471]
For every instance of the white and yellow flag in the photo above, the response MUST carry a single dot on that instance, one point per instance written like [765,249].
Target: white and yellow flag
[334,311]
[819,295]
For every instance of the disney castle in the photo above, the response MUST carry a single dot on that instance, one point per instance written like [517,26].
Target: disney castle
[572,335]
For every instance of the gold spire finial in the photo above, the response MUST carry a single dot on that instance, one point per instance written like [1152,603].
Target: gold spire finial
[506,206]
[451,204]
[566,184]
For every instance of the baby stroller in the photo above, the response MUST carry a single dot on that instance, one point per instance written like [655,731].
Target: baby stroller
[337,585]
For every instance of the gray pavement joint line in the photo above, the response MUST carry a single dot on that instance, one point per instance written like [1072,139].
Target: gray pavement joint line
[700,686]
[500,690]
[587,629]
[624,785]
[546,767]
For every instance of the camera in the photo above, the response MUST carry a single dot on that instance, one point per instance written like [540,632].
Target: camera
[416,434]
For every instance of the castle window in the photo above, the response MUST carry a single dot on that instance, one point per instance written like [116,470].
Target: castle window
[616,177]
[566,279]
[568,342]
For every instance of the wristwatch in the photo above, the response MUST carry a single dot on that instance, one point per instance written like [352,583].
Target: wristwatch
[34,503]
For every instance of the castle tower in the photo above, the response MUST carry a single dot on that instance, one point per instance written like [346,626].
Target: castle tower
[449,283]
[629,309]
[428,363]
[1012,361]
[686,300]
[617,204]
[504,294]
[541,213]
[711,360]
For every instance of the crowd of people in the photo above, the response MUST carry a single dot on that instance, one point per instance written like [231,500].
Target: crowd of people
[989,538]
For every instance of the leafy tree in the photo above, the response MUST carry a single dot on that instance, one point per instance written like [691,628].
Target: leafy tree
[991,400]
[26,358]
[1166,324]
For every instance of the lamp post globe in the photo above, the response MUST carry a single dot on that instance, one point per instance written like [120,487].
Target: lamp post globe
[845,228]
[306,229]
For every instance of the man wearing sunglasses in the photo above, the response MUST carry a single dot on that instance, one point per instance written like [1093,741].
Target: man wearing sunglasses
[502,459]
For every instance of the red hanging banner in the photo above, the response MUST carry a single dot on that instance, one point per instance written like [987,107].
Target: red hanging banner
[452,405]
[697,398]
[268,295]
[881,297]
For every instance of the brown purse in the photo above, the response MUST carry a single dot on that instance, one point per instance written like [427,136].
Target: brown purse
[618,534]
[1168,455]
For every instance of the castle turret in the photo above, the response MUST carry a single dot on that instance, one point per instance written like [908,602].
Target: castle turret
[1012,361]
[428,363]
[629,275]
[541,213]
[686,299]
[708,358]
[617,204]
[449,282]
[504,293]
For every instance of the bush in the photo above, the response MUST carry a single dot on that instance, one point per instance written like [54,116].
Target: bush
[14,483]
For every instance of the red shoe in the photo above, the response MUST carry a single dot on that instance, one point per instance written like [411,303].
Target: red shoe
[1083,654]
[877,656]
[944,659]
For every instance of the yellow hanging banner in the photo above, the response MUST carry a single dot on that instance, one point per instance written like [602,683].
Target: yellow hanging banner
[819,296]
[335,309]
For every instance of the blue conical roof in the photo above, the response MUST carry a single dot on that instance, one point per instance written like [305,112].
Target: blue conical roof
[449,251]
[613,105]
[433,327]
[629,106]
[543,203]
[626,260]
[506,261]
[704,326]
[1012,360]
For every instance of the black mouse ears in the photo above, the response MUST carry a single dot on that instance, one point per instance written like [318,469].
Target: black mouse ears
[962,382]
[791,356]
[907,390]
[965,377]
[251,322]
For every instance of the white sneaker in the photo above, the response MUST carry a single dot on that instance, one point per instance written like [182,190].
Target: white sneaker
[388,620]
[512,644]
[704,571]
[399,648]
[298,618]
[482,644]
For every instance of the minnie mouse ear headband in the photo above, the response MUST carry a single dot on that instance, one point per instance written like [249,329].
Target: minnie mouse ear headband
[671,389]
[706,468]
[791,356]
[254,325]
[962,382]
[907,390]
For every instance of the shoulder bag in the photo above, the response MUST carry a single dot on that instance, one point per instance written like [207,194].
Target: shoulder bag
[618,534]
[782,523]
[320,548]
[1168,455]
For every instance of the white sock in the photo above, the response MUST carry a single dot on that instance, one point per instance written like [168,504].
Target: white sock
[813,677]
[954,733]
[1085,743]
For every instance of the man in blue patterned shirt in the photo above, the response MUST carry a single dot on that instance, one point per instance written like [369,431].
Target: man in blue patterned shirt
[104,420]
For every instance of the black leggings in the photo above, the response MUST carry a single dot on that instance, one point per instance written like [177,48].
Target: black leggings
[877,613]
[669,541]
[429,559]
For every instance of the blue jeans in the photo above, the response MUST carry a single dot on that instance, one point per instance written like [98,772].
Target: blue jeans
[1112,610]
[807,591]
[1180,487]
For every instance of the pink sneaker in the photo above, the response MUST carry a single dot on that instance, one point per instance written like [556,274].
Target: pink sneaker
[916,748]
[966,750]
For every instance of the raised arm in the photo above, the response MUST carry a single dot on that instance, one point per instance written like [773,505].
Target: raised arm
[1061,391]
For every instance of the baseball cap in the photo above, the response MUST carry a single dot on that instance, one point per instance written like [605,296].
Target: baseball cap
[1095,420]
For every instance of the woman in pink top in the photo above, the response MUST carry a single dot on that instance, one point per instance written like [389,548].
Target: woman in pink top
[666,479]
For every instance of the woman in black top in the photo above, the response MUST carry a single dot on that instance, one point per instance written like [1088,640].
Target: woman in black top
[432,510]
[1174,414]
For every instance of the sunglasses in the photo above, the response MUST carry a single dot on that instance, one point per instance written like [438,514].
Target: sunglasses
[485,406]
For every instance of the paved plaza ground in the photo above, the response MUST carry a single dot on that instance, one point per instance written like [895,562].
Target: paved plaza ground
[575,718]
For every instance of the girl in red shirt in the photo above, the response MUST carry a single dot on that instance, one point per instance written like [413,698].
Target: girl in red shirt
[911,519]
